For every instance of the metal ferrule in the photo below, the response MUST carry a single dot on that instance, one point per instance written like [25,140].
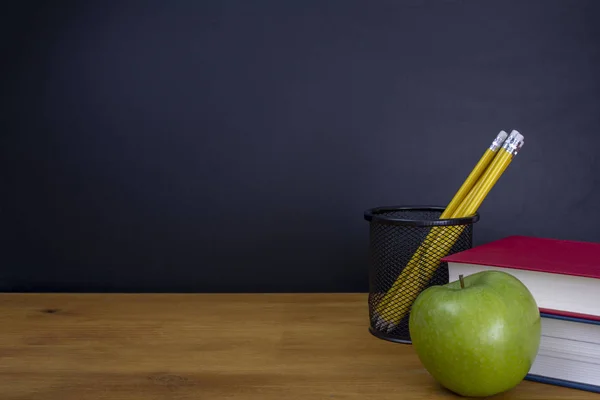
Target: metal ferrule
[497,143]
[513,145]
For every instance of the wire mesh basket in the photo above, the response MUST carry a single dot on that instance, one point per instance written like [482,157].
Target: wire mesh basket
[406,245]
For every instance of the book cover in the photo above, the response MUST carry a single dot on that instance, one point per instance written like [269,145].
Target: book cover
[570,316]
[554,256]
[562,382]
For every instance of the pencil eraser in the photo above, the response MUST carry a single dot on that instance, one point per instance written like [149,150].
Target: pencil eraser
[516,136]
[502,135]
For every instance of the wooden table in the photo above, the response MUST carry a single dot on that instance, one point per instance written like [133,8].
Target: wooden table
[263,347]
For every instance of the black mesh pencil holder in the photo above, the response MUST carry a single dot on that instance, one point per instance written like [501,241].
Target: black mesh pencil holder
[406,245]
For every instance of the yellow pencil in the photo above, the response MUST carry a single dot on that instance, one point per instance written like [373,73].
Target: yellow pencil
[458,198]
[473,177]
[444,242]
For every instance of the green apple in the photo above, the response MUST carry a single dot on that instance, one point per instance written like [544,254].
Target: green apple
[479,335]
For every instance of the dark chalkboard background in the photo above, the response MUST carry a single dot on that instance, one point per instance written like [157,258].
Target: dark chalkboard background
[234,145]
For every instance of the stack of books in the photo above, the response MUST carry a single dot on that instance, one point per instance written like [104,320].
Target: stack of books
[564,278]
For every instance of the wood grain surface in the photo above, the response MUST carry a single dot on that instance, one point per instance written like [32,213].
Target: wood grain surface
[207,346]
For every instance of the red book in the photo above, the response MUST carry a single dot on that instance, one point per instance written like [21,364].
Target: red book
[562,275]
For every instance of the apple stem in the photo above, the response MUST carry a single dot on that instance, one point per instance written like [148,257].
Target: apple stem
[462,281]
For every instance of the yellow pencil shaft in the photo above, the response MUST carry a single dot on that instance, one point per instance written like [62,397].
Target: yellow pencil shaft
[483,187]
[468,184]
[443,243]
[458,198]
